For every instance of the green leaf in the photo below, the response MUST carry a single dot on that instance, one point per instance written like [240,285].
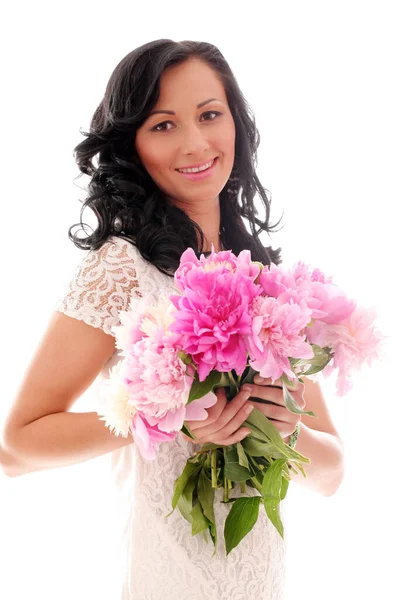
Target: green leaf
[232,468]
[271,493]
[235,472]
[259,443]
[254,447]
[187,431]
[293,455]
[199,521]
[292,405]
[322,356]
[241,519]
[257,419]
[205,494]
[243,462]
[182,480]
[200,389]
[285,482]
[209,446]
[185,502]
[255,433]
[248,375]
[213,535]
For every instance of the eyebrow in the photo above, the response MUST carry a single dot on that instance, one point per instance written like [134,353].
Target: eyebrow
[171,112]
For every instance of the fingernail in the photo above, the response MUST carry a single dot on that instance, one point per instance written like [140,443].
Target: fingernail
[248,409]
[246,388]
[258,379]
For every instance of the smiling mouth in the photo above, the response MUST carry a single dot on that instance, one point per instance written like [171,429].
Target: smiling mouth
[197,171]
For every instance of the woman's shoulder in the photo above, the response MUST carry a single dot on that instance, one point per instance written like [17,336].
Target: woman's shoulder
[119,259]
[116,247]
[102,284]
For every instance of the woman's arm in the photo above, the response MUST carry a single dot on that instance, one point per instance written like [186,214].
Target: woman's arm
[40,432]
[58,440]
[325,472]
[10,465]
[318,438]
[320,441]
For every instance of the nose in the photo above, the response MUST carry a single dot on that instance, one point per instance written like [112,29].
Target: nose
[194,142]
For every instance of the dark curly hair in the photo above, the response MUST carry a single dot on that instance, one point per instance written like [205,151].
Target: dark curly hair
[126,201]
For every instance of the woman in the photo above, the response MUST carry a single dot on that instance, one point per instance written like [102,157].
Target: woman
[176,146]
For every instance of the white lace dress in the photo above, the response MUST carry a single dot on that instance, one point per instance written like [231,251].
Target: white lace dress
[163,561]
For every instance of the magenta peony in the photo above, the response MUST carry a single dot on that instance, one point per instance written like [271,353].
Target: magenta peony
[212,316]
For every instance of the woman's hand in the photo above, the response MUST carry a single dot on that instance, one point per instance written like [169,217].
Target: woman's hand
[284,420]
[223,424]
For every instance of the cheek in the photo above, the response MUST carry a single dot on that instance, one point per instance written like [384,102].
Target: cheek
[227,140]
[155,157]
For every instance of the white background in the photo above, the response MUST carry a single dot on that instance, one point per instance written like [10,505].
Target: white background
[322,79]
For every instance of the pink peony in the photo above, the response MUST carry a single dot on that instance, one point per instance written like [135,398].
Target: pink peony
[212,315]
[275,336]
[147,437]
[310,288]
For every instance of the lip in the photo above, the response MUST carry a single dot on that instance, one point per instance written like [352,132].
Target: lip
[202,174]
[198,164]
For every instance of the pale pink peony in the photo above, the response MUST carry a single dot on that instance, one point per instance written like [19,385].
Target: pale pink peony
[275,336]
[157,382]
[212,315]
[144,314]
[113,403]
[195,411]
[354,341]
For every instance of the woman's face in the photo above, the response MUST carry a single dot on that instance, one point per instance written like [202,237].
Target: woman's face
[193,135]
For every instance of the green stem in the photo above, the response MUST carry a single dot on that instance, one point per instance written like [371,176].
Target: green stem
[257,485]
[214,468]
[233,383]
[226,490]
[243,487]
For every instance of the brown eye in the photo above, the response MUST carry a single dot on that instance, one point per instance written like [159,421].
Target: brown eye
[209,112]
[212,112]
[155,128]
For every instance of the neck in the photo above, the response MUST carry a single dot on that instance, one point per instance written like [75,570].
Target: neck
[207,215]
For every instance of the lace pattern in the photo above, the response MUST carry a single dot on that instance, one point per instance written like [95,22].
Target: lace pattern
[101,286]
[163,561]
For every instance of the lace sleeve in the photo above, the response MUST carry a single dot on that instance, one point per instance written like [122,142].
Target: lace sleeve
[101,286]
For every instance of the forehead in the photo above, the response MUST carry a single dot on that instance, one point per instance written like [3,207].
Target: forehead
[189,82]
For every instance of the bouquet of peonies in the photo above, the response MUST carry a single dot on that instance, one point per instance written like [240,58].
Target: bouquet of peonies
[234,318]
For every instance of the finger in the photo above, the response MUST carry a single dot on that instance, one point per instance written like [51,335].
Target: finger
[231,427]
[230,411]
[267,392]
[275,394]
[225,413]
[235,438]
[273,411]
[285,428]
